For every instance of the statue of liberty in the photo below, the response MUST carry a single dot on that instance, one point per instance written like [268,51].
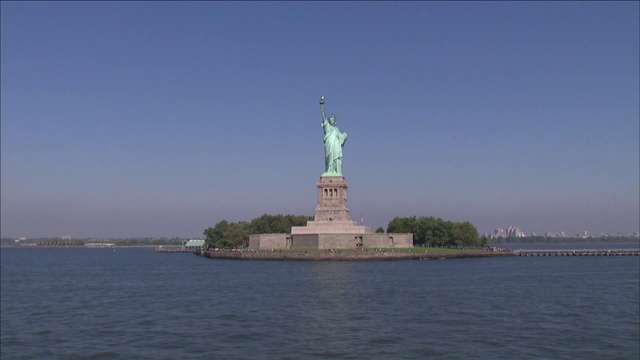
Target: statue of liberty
[333,142]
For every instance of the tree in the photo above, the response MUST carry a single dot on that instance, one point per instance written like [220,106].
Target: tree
[469,234]
[484,241]
[236,235]
[402,225]
[226,234]
[215,234]
[380,230]
[429,231]
[276,224]
[436,232]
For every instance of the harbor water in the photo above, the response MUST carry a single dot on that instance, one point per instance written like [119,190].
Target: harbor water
[138,304]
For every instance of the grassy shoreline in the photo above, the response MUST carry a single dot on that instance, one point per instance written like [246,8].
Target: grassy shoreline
[352,254]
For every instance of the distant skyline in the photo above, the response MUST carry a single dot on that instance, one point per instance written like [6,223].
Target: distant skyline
[135,119]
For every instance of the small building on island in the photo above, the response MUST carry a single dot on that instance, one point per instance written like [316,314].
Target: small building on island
[194,245]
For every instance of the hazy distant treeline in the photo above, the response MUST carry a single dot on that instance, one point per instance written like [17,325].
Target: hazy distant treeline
[83,242]
[563,240]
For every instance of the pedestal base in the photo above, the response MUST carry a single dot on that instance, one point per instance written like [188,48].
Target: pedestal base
[329,241]
[331,227]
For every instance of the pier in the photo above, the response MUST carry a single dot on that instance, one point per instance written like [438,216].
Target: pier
[585,252]
[174,249]
[418,254]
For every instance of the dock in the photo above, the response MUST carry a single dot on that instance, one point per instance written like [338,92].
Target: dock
[584,252]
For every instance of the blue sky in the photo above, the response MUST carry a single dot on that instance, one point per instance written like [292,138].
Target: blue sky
[127,119]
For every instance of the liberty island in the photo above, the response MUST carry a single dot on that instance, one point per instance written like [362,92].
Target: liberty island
[331,234]
[332,226]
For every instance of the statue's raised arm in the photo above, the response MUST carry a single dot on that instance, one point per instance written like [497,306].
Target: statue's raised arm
[324,117]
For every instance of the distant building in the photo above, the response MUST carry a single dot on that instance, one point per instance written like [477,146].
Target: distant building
[560,234]
[498,233]
[194,244]
[583,234]
[511,231]
[514,231]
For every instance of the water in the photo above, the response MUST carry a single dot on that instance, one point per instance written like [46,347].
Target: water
[136,304]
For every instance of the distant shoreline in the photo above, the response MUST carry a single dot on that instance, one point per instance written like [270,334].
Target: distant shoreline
[565,243]
[567,240]
[76,247]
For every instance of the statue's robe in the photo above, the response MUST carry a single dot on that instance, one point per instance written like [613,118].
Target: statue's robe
[333,142]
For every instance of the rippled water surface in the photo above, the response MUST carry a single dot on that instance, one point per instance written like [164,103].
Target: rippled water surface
[136,304]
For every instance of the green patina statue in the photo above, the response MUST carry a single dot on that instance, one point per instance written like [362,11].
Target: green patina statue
[333,142]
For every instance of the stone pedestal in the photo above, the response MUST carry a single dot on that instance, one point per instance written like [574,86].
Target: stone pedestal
[332,213]
[332,227]
[332,200]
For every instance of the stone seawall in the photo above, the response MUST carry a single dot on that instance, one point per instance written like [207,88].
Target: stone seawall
[346,256]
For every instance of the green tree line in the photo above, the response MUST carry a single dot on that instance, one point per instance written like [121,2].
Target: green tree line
[236,234]
[435,232]
[427,231]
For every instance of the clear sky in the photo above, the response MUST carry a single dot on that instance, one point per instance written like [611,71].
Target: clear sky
[126,119]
